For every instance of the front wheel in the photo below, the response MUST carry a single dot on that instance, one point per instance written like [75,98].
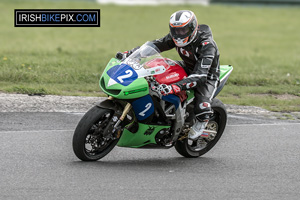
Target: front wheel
[217,123]
[92,139]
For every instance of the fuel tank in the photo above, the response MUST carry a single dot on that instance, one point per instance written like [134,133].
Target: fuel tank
[173,73]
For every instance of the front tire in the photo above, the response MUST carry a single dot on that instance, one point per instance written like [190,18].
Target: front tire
[90,140]
[187,148]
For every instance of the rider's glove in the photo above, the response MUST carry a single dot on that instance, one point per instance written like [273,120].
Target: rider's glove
[168,89]
[122,56]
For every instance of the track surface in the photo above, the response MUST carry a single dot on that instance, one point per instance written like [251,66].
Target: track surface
[257,158]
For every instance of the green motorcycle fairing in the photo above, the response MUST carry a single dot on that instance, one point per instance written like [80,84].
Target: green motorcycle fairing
[225,71]
[136,89]
[144,136]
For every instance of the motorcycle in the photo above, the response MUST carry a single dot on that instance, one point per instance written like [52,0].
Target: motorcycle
[137,116]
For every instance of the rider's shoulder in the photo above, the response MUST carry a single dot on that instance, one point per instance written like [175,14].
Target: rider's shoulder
[204,29]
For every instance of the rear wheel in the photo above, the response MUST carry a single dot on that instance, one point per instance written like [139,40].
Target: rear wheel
[93,138]
[192,149]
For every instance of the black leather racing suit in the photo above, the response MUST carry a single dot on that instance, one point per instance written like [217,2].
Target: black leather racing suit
[200,59]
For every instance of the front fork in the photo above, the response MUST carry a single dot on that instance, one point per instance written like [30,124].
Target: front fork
[125,112]
[117,126]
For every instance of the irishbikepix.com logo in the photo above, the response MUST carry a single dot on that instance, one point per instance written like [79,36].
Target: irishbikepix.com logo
[57,18]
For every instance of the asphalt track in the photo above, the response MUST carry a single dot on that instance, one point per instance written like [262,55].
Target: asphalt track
[257,158]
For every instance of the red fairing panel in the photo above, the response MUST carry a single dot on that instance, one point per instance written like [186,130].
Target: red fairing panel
[173,73]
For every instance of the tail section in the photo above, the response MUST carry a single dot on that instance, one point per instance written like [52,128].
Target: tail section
[225,71]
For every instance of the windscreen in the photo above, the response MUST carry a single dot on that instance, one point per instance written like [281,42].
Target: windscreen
[140,57]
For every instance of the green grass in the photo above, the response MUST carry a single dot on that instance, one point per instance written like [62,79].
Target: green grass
[262,44]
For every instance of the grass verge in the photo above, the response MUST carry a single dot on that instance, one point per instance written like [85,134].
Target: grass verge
[262,43]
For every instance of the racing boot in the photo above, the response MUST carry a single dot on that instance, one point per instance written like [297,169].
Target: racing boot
[197,129]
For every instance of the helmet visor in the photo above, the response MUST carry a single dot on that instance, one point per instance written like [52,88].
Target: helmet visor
[180,32]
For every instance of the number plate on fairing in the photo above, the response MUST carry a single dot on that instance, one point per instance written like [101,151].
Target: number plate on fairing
[122,74]
[143,107]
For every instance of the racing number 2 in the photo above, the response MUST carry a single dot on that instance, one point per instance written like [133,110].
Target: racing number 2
[148,106]
[128,74]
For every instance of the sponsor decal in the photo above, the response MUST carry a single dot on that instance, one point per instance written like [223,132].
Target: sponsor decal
[171,63]
[176,88]
[57,18]
[205,66]
[205,135]
[149,131]
[172,76]
[204,43]
[184,52]
[177,24]
[204,105]
[190,85]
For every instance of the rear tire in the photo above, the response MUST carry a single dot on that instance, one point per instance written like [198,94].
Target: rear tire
[184,147]
[89,133]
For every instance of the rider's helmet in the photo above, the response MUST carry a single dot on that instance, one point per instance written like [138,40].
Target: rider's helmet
[183,27]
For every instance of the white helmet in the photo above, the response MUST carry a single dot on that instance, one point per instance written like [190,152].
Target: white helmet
[183,27]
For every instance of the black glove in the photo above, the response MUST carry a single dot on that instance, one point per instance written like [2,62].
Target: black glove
[122,56]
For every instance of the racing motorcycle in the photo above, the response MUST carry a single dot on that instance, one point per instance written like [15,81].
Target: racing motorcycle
[136,115]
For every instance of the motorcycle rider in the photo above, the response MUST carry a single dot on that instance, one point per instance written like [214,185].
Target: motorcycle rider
[200,60]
